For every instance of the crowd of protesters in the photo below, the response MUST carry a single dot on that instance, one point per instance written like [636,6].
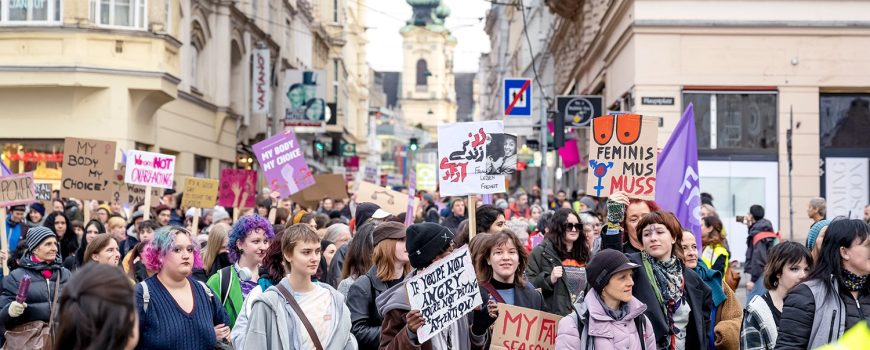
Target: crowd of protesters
[621,272]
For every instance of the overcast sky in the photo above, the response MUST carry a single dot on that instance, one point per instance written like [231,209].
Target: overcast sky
[384,18]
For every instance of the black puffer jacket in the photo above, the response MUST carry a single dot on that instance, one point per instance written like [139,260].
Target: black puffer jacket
[799,313]
[364,317]
[39,296]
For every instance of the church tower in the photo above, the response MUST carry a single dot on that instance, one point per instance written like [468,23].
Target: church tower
[427,93]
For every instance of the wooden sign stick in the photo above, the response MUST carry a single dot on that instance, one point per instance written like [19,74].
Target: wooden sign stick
[147,210]
[195,225]
[86,211]
[472,219]
[5,240]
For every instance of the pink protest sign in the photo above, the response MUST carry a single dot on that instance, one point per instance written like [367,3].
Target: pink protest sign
[150,169]
[238,188]
[283,163]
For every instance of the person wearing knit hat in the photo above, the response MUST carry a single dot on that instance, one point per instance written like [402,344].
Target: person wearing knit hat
[816,236]
[390,265]
[608,309]
[41,262]
[220,215]
[103,213]
[425,244]
[36,215]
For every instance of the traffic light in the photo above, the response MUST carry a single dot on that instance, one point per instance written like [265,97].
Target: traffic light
[558,131]
[413,144]
[319,145]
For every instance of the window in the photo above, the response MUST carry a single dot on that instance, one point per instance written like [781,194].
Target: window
[735,121]
[120,13]
[335,10]
[422,73]
[194,63]
[30,11]
[201,166]
[167,16]
[844,120]
[335,77]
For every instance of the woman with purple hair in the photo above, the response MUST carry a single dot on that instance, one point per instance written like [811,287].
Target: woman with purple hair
[249,239]
[176,311]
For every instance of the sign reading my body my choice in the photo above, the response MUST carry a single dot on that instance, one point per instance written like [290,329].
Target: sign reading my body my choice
[87,169]
[150,169]
[284,163]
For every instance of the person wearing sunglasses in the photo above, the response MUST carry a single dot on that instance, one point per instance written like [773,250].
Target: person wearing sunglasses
[557,265]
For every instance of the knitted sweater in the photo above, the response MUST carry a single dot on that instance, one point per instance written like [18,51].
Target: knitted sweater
[166,326]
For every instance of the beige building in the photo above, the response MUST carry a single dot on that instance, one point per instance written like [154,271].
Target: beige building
[171,76]
[748,67]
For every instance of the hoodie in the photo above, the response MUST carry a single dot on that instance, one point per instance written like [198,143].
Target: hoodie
[274,325]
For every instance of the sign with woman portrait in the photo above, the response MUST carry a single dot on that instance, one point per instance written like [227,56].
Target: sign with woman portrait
[305,98]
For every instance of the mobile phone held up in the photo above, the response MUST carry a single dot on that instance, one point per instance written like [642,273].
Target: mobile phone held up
[740,218]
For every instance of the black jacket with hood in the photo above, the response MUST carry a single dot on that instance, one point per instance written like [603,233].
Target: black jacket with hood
[756,252]
[39,296]
[364,317]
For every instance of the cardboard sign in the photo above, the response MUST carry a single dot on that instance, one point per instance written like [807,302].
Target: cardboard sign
[622,156]
[444,292]
[523,328]
[43,191]
[87,168]
[238,188]
[390,201]
[150,169]
[326,186]
[130,194]
[283,163]
[462,158]
[501,154]
[199,193]
[426,177]
[17,189]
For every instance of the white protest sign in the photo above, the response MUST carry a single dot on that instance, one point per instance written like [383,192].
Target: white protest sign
[150,169]
[444,292]
[462,158]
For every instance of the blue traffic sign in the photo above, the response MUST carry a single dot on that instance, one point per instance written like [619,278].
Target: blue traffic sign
[517,97]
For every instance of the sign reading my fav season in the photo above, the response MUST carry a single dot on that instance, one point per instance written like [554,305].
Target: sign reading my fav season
[150,169]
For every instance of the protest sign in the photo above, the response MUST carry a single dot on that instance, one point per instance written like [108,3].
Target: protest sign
[371,174]
[150,169]
[444,292]
[17,189]
[412,199]
[501,154]
[462,167]
[522,328]
[426,177]
[130,194]
[283,163]
[43,191]
[238,188]
[622,156]
[326,186]
[393,202]
[199,193]
[87,168]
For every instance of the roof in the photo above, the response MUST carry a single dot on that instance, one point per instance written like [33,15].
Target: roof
[464,83]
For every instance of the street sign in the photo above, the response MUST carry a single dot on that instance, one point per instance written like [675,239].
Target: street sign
[348,150]
[579,110]
[517,97]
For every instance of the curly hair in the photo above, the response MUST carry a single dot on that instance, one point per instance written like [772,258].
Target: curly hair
[240,231]
[164,240]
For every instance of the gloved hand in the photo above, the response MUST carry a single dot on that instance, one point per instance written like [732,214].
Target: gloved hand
[615,212]
[16,308]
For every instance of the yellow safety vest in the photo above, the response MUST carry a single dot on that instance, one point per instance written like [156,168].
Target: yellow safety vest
[711,254]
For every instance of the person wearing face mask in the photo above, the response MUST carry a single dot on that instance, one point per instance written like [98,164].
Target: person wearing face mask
[789,263]
[391,264]
[727,312]
[556,266]
[835,295]
[500,262]
[247,246]
[609,317]
[298,313]
[680,300]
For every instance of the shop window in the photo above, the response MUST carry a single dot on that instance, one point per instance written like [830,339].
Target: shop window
[201,166]
[735,121]
[43,157]
[844,121]
[30,11]
[120,13]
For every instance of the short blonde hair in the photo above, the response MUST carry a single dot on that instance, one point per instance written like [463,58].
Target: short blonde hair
[115,221]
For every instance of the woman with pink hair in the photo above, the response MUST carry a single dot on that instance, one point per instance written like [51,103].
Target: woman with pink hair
[176,311]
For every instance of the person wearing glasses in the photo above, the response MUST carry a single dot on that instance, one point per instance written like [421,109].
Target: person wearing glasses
[557,265]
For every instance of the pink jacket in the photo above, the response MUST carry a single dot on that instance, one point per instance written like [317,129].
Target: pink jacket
[604,331]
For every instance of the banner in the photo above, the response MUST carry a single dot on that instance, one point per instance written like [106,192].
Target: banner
[462,167]
[393,202]
[304,101]
[238,188]
[17,189]
[283,163]
[150,169]
[43,191]
[261,77]
[678,188]
[444,292]
[87,169]
[622,156]
[199,193]
[522,328]
[426,177]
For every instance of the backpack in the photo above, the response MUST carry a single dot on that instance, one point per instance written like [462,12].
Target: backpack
[639,324]
[146,297]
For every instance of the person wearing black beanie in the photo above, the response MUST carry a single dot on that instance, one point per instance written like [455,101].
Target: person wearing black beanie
[425,243]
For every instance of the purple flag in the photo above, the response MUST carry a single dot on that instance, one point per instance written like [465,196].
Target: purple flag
[4,170]
[677,182]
